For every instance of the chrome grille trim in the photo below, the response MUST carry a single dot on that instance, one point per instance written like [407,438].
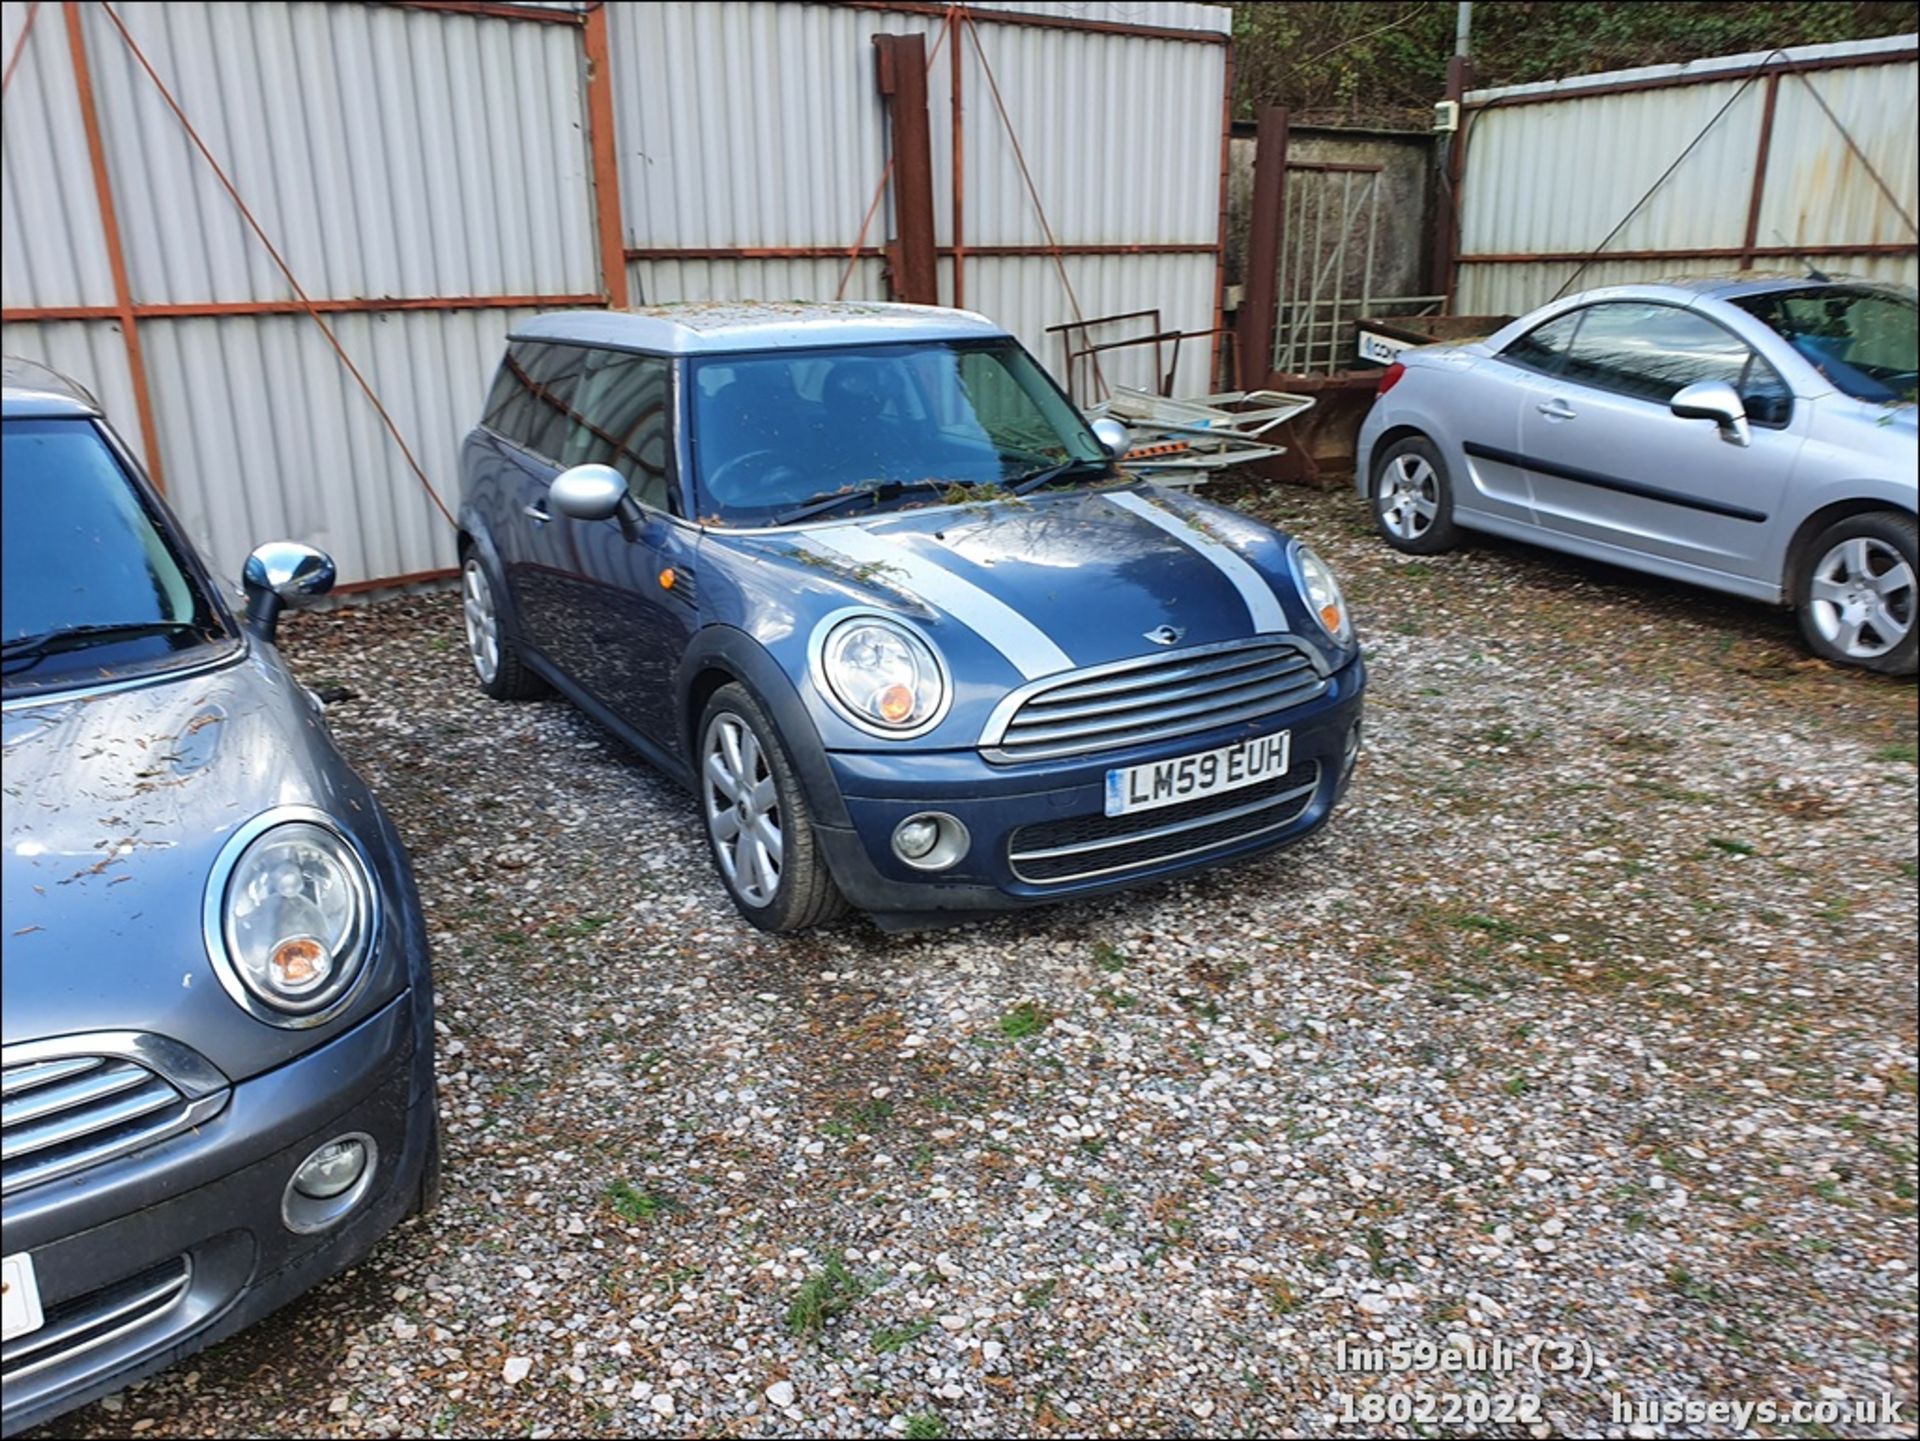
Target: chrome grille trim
[1259,815]
[1153,698]
[96,1318]
[76,1101]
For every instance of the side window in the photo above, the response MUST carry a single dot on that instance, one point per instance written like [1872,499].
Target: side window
[530,397]
[620,418]
[1650,351]
[1765,394]
[1543,347]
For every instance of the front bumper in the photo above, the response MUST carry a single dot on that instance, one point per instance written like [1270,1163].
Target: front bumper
[215,1255]
[995,802]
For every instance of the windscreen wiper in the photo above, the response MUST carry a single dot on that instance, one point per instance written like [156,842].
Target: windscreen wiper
[1055,472]
[79,637]
[877,494]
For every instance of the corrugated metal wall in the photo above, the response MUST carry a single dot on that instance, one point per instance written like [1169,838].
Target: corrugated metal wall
[754,125]
[400,155]
[1551,171]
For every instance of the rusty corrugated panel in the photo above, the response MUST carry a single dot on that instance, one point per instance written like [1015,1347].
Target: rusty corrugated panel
[750,125]
[1559,172]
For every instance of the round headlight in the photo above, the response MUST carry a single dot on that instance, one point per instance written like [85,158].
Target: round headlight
[1322,591]
[295,915]
[883,676]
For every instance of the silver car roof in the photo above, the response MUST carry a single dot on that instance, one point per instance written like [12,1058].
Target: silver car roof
[699,327]
[30,389]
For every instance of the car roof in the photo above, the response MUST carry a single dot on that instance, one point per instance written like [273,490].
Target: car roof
[1689,288]
[30,389]
[697,327]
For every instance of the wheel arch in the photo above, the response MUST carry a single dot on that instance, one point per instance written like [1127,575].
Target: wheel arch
[1799,552]
[1391,437]
[720,655]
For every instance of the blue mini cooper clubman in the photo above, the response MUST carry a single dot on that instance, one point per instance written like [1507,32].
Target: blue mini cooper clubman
[864,580]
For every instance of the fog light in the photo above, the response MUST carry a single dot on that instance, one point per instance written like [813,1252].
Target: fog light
[331,1169]
[915,838]
[333,1180]
[930,841]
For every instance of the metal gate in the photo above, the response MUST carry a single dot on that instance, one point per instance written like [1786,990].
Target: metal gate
[1329,234]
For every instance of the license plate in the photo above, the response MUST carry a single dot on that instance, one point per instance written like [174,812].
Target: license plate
[1185,778]
[19,1297]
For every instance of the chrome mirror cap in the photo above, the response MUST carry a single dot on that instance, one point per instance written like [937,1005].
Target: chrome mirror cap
[282,572]
[588,492]
[1115,439]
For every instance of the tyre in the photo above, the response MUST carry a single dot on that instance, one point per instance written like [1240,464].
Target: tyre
[1856,592]
[496,661]
[759,826]
[1413,498]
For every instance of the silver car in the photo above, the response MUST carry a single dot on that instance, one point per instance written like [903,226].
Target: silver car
[1752,436]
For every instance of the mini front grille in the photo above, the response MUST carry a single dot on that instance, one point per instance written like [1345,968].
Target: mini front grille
[1151,699]
[96,1318]
[61,1114]
[1084,848]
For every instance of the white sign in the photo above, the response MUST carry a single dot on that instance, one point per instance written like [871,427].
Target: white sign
[1380,349]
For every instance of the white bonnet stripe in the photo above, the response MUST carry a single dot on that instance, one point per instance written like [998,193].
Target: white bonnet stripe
[1262,607]
[1031,650]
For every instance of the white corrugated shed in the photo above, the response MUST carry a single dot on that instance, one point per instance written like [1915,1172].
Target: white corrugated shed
[1551,169]
[400,154]
[757,125]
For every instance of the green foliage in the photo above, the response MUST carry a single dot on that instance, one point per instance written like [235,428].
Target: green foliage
[1387,62]
[829,1292]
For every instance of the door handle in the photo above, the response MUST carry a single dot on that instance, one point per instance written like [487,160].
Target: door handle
[1556,410]
[536,512]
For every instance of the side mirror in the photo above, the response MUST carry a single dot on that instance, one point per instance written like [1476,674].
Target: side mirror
[1717,401]
[281,573]
[1115,439]
[595,492]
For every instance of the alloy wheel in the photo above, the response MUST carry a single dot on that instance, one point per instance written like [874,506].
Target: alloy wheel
[483,622]
[742,804]
[1409,498]
[1861,597]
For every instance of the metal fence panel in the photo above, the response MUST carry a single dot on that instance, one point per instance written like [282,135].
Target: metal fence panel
[266,436]
[1552,170]
[387,151]
[52,249]
[756,125]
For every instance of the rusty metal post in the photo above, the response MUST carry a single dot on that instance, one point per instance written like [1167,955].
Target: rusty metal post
[1760,172]
[606,159]
[116,253]
[959,162]
[1265,234]
[1446,218]
[1219,370]
[914,273]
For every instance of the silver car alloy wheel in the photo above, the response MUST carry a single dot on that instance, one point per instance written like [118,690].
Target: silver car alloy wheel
[483,623]
[1862,597]
[1409,498]
[743,809]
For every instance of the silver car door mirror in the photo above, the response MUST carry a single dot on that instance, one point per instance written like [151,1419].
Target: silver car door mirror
[1717,401]
[595,492]
[1114,437]
[588,492]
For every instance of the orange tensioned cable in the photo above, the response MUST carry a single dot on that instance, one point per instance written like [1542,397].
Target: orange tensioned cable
[306,300]
[19,46]
[1033,191]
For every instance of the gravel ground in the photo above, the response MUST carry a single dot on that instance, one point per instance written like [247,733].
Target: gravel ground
[1591,1019]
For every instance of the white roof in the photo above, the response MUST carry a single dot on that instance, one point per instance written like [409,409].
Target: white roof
[698,327]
